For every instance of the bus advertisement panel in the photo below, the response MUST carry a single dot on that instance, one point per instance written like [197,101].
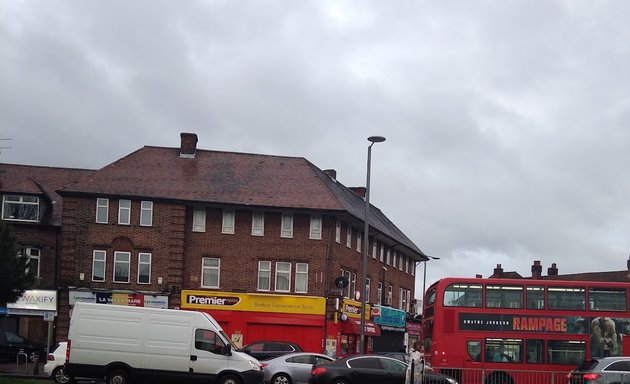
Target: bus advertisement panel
[496,330]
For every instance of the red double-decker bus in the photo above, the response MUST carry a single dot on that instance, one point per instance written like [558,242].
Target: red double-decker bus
[514,331]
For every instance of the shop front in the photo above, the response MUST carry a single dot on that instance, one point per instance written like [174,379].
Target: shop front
[414,330]
[393,331]
[248,317]
[32,316]
[344,332]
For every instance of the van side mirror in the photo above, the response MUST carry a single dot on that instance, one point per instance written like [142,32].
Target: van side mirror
[227,350]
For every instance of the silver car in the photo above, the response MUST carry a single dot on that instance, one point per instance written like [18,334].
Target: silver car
[293,368]
[605,370]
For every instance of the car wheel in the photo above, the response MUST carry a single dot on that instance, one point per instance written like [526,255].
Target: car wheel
[230,379]
[281,378]
[117,376]
[339,381]
[60,377]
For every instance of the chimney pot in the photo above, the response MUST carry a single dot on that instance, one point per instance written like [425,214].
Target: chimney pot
[553,270]
[536,270]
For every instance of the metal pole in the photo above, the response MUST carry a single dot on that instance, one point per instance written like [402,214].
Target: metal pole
[372,140]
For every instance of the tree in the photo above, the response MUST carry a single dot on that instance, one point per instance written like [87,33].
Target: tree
[15,276]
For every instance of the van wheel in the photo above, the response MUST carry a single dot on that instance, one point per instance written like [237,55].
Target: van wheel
[117,377]
[230,379]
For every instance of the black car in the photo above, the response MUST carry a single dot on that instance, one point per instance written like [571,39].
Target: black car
[263,350]
[12,344]
[369,369]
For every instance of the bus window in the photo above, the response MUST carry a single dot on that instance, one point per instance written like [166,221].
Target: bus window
[567,298]
[607,299]
[535,351]
[474,350]
[462,295]
[535,298]
[431,296]
[504,296]
[566,352]
[504,350]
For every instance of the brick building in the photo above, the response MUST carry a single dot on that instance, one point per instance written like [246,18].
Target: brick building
[256,240]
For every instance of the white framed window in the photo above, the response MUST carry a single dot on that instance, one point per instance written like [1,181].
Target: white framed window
[338,231]
[122,261]
[412,267]
[374,250]
[146,213]
[144,268]
[359,241]
[32,259]
[387,260]
[353,285]
[210,272]
[388,299]
[401,262]
[408,304]
[316,228]
[379,292]
[124,212]
[367,290]
[349,237]
[286,225]
[199,220]
[301,278]
[403,259]
[347,292]
[102,210]
[229,217]
[258,224]
[98,265]
[393,256]
[402,301]
[283,276]
[20,208]
[264,275]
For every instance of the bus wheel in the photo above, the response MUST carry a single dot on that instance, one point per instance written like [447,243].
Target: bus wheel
[499,378]
[117,376]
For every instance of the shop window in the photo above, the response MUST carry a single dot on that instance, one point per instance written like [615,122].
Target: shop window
[20,208]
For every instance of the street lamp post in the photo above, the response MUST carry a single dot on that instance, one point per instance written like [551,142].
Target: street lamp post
[424,274]
[372,140]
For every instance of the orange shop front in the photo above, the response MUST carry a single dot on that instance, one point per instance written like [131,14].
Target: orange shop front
[248,317]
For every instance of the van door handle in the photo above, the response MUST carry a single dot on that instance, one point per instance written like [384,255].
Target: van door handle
[193,358]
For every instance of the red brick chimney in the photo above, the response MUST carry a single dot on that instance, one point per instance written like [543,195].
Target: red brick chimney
[188,145]
[536,270]
[360,191]
[553,270]
[498,271]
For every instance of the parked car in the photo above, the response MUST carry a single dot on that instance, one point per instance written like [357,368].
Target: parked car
[54,364]
[292,368]
[404,357]
[366,369]
[263,350]
[606,370]
[12,344]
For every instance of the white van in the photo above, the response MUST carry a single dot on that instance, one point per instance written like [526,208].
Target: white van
[130,344]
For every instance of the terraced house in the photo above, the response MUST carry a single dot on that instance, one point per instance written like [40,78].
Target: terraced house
[271,246]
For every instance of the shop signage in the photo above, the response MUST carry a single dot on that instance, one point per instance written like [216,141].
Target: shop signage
[253,302]
[391,317]
[128,299]
[39,300]
[352,309]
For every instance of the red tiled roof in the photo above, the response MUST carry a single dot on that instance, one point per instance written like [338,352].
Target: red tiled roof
[39,181]
[212,176]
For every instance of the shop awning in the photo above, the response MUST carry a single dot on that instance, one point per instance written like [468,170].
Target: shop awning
[353,327]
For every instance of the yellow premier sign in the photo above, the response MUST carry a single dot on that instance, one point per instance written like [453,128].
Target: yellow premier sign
[253,302]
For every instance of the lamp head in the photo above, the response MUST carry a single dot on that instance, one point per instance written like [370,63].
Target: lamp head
[376,139]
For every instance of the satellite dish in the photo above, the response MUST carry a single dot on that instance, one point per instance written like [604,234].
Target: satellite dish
[341,282]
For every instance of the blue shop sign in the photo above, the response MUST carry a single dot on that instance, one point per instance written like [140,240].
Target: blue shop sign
[391,316]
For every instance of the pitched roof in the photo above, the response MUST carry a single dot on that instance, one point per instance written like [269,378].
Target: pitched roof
[39,181]
[232,178]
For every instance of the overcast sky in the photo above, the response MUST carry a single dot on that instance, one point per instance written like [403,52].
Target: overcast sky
[507,122]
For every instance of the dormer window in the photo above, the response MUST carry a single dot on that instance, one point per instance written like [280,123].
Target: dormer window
[20,208]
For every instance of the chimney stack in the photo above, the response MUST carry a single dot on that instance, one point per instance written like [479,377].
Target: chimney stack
[553,270]
[536,270]
[628,263]
[498,271]
[188,145]
[360,191]
[331,173]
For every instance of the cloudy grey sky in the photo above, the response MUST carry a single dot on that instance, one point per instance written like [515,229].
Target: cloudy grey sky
[507,122]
